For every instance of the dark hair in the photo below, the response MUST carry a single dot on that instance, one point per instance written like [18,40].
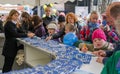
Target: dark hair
[26,16]
[36,19]
[61,18]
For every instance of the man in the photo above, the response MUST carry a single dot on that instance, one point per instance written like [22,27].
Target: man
[110,63]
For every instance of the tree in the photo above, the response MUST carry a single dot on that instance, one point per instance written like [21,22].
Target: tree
[102,5]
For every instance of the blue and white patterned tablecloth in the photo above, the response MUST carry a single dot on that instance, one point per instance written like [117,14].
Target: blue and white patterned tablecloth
[67,61]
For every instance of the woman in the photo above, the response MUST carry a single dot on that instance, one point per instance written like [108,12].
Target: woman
[71,18]
[10,45]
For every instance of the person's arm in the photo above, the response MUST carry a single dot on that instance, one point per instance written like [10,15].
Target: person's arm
[104,60]
[40,31]
[58,34]
[12,29]
[109,53]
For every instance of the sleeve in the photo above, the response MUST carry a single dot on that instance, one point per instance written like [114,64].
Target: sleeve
[40,32]
[12,29]
[58,34]
[109,53]
[105,60]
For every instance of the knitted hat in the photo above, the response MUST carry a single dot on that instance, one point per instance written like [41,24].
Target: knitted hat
[62,13]
[52,26]
[98,33]
[61,18]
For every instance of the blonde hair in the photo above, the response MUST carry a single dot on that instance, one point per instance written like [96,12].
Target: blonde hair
[91,15]
[47,9]
[70,27]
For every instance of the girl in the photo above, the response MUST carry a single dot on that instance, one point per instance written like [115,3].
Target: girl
[86,31]
[48,18]
[39,29]
[26,22]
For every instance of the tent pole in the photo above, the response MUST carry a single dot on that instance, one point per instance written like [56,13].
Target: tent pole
[39,9]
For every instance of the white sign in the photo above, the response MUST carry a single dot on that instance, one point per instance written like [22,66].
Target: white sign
[81,10]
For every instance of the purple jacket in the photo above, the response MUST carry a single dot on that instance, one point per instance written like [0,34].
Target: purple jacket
[39,31]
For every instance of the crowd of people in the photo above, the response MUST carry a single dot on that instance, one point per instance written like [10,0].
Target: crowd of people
[101,37]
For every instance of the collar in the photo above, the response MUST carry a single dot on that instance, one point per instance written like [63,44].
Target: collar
[15,22]
[38,25]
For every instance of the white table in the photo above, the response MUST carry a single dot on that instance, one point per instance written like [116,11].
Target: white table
[35,55]
[94,67]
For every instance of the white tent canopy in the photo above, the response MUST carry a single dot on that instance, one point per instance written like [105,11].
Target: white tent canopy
[42,2]
[32,2]
[21,2]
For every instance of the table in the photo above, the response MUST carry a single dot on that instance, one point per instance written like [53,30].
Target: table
[35,55]
[94,67]
[32,53]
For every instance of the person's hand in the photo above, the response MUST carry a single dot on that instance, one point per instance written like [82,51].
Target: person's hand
[99,53]
[107,27]
[49,38]
[100,59]
[30,35]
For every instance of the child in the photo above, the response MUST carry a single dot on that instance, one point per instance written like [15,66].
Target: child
[70,37]
[39,29]
[52,29]
[99,42]
[86,31]
[61,22]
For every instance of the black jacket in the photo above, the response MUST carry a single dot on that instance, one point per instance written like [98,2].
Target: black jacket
[1,26]
[109,53]
[47,20]
[10,45]
[59,34]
